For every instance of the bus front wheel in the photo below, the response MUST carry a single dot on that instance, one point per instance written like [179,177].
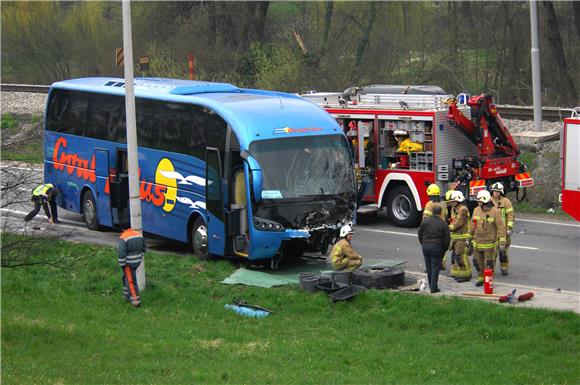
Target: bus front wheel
[199,239]
[90,211]
[402,208]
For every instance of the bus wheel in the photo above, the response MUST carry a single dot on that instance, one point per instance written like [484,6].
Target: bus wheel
[199,239]
[90,211]
[401,207]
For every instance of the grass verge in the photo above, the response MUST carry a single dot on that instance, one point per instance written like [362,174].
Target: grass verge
[71,326]
[21,138]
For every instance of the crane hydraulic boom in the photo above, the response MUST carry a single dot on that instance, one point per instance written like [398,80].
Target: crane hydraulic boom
[486,129]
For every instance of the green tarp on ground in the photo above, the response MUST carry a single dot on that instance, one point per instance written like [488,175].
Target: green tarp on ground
[287,275]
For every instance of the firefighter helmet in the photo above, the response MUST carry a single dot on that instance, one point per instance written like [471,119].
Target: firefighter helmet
[483,196]
[433,190]
[457,196]
[497,186]
[345,230]
[449,194]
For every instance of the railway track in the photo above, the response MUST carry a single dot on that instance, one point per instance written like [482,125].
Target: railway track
[552,114]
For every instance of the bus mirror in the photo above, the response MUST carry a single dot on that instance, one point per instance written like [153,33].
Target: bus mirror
[256,174]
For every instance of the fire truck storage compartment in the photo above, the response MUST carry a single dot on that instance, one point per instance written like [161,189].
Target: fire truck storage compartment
[393,132]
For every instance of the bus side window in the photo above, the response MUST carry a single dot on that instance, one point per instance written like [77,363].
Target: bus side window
[116,130]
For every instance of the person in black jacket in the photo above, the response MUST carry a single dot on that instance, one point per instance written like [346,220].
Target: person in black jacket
[434,238]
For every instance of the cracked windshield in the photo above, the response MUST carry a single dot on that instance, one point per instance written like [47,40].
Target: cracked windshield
[302,167]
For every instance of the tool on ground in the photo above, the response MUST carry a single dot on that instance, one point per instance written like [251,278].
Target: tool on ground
[480,294]
[243,308]
[526,296]
[510,298]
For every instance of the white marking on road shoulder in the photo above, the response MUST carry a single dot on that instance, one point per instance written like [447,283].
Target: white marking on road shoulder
[524,247]
[389,232]
[42,216]
[548,223]
[414,235]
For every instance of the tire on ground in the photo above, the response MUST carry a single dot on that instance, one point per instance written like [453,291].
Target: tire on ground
[372,277]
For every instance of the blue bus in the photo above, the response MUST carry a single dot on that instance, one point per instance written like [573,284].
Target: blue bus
[231,171]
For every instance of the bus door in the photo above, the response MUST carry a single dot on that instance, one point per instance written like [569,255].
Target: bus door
[103,199]
[214,202]
[119,181]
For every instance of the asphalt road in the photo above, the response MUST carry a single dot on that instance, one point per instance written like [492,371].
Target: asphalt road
[545,251]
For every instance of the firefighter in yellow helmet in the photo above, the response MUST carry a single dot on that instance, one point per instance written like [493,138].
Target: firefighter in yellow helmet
[486,232]
[434,194]
[506,209]
[343,256]
[459,227]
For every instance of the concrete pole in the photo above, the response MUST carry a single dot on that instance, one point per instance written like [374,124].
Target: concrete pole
[132,156]
[536,78]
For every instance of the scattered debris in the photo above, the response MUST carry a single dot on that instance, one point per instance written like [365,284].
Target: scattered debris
[245,309]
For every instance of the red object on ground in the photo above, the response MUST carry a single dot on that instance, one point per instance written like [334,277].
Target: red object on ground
[526,297]
[488,281]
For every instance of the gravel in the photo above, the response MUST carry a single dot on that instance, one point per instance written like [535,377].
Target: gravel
[20,103]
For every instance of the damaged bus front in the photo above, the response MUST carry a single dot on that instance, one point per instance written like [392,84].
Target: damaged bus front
[303,191]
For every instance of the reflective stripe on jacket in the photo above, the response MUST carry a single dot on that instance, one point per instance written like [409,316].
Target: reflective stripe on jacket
[459,222]
[487,228]
[506,208]
[42,190]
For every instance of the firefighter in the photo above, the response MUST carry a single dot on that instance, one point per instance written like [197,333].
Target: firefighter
[506,209]
[45,196]
[130,254]
[343,256]
[434,192]
[459,227]
[486,232]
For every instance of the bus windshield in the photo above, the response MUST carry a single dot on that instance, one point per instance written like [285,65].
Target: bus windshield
[305,166]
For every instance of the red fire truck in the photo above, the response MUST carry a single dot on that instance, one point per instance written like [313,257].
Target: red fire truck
[570,143]
[404,138]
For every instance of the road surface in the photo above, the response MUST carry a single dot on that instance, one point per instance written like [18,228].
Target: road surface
[545,251]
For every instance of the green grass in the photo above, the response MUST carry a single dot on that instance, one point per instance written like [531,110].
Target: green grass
[70,326]
[8,121]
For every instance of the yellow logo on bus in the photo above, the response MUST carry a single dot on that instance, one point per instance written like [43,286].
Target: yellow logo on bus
[165,167]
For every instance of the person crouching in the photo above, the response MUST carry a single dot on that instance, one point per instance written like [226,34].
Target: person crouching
[343,256]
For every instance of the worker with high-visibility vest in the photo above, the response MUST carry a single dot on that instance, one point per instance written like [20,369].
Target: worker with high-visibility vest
[487,231]
[459,227]
[44,196]
[508,216]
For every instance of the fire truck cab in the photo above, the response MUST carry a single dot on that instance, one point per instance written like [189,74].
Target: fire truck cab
[404,138]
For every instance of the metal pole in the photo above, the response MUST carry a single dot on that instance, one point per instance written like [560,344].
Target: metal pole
[536,78]
[134,195]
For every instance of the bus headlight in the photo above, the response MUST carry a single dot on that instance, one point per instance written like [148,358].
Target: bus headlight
[267,225]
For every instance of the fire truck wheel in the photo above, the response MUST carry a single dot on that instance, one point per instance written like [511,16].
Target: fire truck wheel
[199,239]
[402,208]
[90,215]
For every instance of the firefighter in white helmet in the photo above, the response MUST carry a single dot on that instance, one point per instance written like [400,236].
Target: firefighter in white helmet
[506,209]
[434,194]
[343,256]
[459,227]
[486,232]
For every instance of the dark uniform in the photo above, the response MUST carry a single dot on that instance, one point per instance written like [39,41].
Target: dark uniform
[45,196]
[130,253]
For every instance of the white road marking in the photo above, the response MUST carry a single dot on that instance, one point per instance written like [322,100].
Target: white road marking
[41,215]
[414,235]
[547,223]
[524,247]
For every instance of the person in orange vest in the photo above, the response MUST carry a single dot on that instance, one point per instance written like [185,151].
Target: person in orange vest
[130,253]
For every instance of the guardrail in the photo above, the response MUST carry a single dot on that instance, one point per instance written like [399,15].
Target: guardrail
[552,114]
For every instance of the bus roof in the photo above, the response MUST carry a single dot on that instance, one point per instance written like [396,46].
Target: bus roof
[252,114]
